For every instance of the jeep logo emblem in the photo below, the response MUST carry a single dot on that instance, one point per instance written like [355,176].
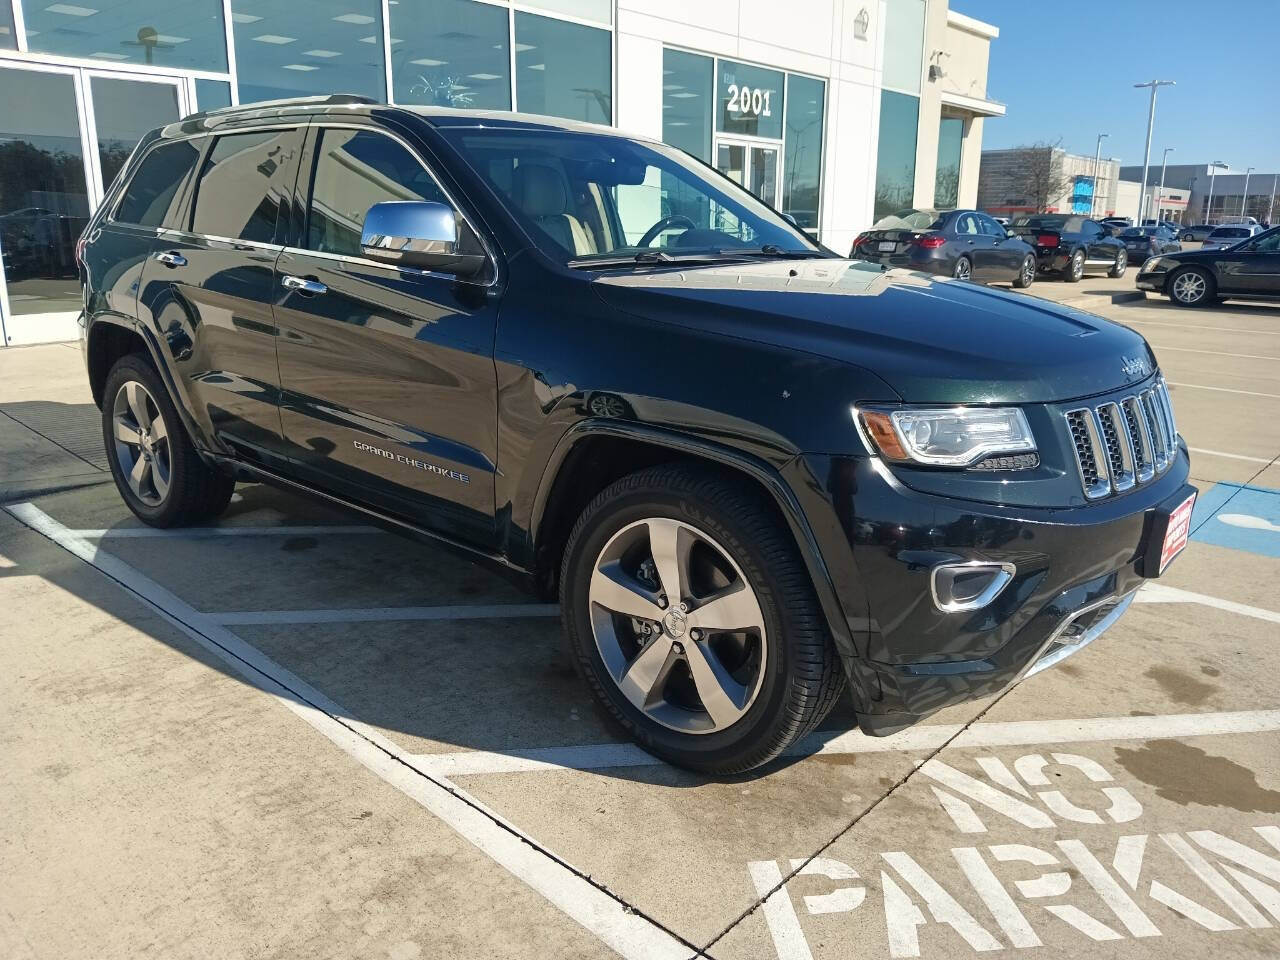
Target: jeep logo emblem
[1134,366]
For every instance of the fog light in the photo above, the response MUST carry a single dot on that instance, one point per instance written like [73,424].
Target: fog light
[968,585]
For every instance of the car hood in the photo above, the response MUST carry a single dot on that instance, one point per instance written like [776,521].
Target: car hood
[933,340]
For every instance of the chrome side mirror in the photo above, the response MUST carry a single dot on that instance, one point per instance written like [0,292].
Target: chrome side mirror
[420,233]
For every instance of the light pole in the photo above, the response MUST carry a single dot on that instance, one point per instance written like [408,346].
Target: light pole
[1151,123]
[1271,207]
[1097,156]
[1163,160]
[1244,201]
[1213,170]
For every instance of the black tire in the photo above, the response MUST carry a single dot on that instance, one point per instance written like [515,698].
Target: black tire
[1026,274]
[963,269]
[1187,237]
[1121,264]
[1181,285]
[801,674]
[195,491]
[1075,268]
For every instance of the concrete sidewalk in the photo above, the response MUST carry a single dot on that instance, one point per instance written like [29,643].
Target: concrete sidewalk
[50,433]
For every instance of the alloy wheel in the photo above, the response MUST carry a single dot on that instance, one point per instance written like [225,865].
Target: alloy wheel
[677,625]
[141,443]
[1189,287]
[1077,266]
[963,270]
[607,405]
[1028,271]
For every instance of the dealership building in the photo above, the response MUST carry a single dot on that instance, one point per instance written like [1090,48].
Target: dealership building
[833,111]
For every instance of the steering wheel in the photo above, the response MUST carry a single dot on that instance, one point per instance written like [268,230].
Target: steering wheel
[666,223]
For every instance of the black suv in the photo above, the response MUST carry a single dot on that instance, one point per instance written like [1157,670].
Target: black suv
[752,470]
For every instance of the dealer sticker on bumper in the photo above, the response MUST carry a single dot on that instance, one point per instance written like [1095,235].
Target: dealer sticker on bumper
[1175,535]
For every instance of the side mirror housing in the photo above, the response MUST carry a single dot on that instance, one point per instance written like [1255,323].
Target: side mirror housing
[422,234]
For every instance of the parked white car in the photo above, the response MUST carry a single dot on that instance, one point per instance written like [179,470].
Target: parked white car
[1230,235]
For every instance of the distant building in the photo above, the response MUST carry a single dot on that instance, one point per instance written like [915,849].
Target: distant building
[1194,180]
[1003,187]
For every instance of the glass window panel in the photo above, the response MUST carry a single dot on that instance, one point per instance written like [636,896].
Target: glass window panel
[455,53]
[687,82]
[946,186]
[188,34]
[354,170]
[44,204]
[149,195]
[601,10]
[242,184]
[563,69]
[749,100]
[896,155]
[212,94]
[124,110]
[8,39]
[289,49]
[802,177]
[904,45]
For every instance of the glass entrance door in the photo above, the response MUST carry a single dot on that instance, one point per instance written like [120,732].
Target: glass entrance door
[753,165]
[62,141]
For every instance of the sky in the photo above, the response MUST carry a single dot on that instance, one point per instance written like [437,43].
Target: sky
[1067,71]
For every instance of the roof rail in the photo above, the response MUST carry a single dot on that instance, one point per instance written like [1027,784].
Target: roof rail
[330,99]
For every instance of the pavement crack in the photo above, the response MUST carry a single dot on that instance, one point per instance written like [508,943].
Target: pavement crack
[893,788]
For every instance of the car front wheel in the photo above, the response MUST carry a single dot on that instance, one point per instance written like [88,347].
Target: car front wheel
[1121,264]
[1026,273]
[1191,287]
[692,618]
[963,270]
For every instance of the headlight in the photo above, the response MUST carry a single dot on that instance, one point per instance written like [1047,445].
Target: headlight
[1157,263]
[948,437]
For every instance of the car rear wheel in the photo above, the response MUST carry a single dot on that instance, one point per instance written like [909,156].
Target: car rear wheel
[1121,264]
[156,469]
[1026,273]
[963,270]
[1191,287]
[690,615]
[1075,268]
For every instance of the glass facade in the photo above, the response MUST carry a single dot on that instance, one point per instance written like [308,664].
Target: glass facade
[284,49]
[178,34]
[749,100]
[904,45]
[124,110]
[896,156]
[451,53]
[946,184]
[802,179]
[563,69]
[212,94]
[8,39]
[686,101]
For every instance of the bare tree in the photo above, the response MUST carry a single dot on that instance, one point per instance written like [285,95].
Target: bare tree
[1037,174]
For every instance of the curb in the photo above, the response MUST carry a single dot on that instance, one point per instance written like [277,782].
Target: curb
[1133,296]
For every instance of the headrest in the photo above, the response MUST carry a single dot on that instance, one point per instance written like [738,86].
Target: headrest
[540,190]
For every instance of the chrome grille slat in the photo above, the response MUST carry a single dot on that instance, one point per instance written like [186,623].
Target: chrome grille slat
[1123,443]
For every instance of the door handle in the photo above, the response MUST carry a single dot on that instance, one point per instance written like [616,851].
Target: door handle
[171,259]
[303,285]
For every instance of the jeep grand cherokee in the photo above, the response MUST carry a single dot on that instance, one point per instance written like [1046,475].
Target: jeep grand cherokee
[755,473]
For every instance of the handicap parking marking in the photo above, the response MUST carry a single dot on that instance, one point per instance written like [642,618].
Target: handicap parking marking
[1239,516]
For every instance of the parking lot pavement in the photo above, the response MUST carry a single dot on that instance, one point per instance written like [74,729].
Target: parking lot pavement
[292,732]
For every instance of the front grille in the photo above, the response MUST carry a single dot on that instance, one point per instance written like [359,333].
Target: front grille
[1123,443]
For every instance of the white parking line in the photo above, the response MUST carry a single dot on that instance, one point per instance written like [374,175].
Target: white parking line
[1231,456]
[199,533]
[1216,353]
[1203,328]
[1203,386]
[1016,733]
[615,923]
[492,611]
[1159,593]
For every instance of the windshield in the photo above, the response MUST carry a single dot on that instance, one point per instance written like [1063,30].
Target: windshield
[909,220]
[584,197]
[1043,222]
[1139,232]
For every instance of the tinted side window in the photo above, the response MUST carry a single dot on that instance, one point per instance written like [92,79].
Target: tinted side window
[354,170]
[966,224]
[149,195]
[243,183]
[990,227]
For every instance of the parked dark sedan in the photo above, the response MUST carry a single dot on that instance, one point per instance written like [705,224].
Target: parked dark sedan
[1146,242]
[965,244]
[1068,244]
[1194,278]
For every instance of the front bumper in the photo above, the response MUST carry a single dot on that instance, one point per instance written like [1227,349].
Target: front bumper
[1076,569]
[1152,280]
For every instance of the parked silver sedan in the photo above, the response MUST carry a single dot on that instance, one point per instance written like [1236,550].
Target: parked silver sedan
[1229,235]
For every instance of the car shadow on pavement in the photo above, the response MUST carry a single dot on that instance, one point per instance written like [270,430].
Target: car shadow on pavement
[498,684]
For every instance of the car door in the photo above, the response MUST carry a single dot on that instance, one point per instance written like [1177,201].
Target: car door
[209,287]
[1098,244]
[1252,268]
[971,242]
[1006,252]
[389,387]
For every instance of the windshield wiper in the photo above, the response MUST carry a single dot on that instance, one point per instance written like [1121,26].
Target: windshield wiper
[773,250]
[656,256]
